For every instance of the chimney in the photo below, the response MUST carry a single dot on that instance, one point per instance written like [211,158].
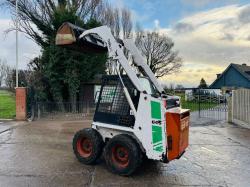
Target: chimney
[218,75]
[244,64]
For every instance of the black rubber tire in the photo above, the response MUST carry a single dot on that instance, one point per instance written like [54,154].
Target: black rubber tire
[134,155]
[96,143]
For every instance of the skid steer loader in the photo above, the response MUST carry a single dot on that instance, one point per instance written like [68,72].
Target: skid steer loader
[133,117]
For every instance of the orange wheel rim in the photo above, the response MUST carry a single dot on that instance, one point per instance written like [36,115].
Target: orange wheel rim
[84,147]
[120,156]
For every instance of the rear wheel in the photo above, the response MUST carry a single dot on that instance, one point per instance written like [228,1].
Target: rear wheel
[87,145]
[122,155]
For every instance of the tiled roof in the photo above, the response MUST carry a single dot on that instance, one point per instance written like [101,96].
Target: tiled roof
[243,69]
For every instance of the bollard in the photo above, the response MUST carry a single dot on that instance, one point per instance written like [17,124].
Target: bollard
[21,111]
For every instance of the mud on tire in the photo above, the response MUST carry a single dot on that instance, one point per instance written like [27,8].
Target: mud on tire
[87,145]
[122,155]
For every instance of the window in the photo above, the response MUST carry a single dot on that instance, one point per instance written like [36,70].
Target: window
[147,86]
[112,105]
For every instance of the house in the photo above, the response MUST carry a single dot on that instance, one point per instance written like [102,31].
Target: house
[235,76]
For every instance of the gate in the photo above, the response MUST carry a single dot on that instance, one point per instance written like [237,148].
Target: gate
[206,103]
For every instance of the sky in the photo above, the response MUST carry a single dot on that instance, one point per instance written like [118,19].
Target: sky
[209,35]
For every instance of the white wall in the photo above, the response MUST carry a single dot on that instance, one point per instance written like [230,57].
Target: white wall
[241,107]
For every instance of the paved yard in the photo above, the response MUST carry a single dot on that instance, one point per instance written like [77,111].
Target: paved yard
[40,154]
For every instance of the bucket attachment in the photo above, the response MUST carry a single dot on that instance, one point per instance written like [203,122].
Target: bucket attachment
[68,36]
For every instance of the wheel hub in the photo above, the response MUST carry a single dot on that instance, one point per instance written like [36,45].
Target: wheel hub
[120,156]
[84,147]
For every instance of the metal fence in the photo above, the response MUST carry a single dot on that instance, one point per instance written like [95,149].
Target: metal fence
[61,110]
[241,106]
[207,104]
[202,105]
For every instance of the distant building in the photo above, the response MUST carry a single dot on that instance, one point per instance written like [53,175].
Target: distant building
[190,93]
[235,76]
[89,90]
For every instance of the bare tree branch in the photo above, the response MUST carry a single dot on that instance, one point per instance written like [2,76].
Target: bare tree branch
[5,69]
[126,22]
[117,22]
[158,51]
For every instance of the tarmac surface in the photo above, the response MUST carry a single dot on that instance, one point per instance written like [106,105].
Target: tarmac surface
[40,154]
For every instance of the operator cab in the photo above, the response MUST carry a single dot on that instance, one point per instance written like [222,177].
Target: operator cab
[112,106]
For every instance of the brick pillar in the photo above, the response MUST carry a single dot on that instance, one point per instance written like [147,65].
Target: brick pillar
[21,112]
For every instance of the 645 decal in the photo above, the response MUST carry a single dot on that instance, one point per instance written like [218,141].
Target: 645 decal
[156,122]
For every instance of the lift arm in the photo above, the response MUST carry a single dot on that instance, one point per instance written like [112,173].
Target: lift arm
[140,62]
[115,52]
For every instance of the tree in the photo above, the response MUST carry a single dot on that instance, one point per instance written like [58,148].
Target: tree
[10,79]
[159,53]
[169,89]
[22,77]
[171,86]
[61,69]
[3,66]
[126,22]
[203,84]
[179,87]
[108,17]
[10,83]
[119,20]
[41,19]
[5,72]
[37,80]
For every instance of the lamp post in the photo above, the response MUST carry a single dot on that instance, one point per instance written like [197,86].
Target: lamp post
[17,27]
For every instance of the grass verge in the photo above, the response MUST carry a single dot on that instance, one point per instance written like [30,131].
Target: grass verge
[7,105]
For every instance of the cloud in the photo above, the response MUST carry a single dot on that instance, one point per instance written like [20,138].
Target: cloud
[197,3]
[27,48]
[203,3]
[244,15]
[209,41]
[191,75]
[183,27]
[228,37]
[230,23]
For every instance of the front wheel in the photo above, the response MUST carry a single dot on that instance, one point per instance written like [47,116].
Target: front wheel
[87,145]
[122,155]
